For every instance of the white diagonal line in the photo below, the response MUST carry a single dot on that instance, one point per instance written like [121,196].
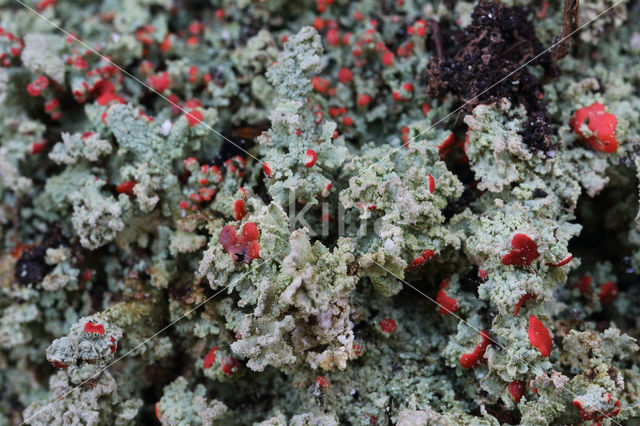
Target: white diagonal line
[573,394]
[140,344]
[393,151]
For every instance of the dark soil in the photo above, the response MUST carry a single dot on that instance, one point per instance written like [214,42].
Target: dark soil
[479,64]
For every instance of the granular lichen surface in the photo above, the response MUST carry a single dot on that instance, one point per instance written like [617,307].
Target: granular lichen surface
[320,212]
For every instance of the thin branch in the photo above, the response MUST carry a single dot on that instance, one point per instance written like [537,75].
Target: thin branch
[569,26]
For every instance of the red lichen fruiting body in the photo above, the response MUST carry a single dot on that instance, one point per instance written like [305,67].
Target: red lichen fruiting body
[516,389]
[250,231]
[38,147]
[525,251]
[446,146]
[210,358]
[239,209]
[446,304]
[525,297]
[194,117]
[345,75]
[58,364]
[126,187]
[602,124]
[312,157]
[160,82]
[322,382]
[432,184]
[608,293]
[244,248]
[539,336]
[474,358]
[230,365]
[267,169]
[387,325]
[90,327]
[583,284]
[562,262]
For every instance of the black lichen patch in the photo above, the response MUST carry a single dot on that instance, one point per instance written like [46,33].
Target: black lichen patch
[481,64]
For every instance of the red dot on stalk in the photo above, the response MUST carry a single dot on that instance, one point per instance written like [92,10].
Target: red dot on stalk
[239,209]
[345,75]
[387,59]
[126,187]
[364,99]
[387,325]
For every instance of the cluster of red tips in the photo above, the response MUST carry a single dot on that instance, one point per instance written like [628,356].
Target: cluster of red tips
[404,93]
[143,34]
[516,389]
[36,87]
[91,328]
[432,184]
[387,325]
[483,274]
[524,298]
[387,59]
[52,107]
[312,157]
[446,305]
[347,121]
[357,349]
[126,187]
[595,414]
[38,147]
[15,46]
[244,248]
[525,251]
[319,84]
[236,165]
[210,358]
[113,346]
[474,358]
[58,364]
[345,75]
[608,293]
[601,124]
[322,382]
[337,111]
[418,261]
[230,365]
[419,28]
[106,93]
[239,209]
[539,336]
[159,82]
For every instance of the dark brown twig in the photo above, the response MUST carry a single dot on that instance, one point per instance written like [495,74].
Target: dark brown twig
[437,38]
[569,26]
